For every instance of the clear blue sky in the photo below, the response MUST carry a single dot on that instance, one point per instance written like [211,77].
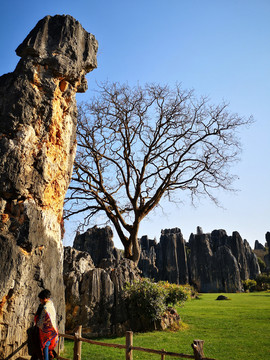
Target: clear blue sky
[219,48]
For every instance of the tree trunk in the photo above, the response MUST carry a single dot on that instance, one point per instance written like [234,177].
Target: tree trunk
[133,250]
[136,250]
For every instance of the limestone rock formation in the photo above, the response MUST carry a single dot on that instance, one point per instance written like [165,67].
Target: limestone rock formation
[93,295]
[98,243]
[37,148]
[171,257]
[262,254]
[95,274]
[202,263]
[267,238]
[219,262]
[258,246]
[166,260]
[148,258]
[212,262]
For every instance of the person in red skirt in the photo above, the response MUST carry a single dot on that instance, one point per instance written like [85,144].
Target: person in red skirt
[45,320]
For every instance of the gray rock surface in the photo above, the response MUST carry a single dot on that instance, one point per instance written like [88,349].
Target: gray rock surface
[98,243]
[201,262]
[166,260]
[212,262]
[171,257]
[148,259]
[94,296]
[258,245]
[267,238]
[37,149]
[219,262]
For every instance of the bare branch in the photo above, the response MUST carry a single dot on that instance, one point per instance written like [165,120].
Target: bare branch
[136,145]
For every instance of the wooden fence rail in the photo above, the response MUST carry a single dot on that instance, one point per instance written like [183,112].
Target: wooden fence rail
[197,347]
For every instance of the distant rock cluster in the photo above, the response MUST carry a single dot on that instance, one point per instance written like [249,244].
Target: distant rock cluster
[258,246]
[213,262]
[95,272]
[262,252]
[98,242]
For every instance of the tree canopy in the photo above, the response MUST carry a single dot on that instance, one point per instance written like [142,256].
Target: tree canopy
[138,145]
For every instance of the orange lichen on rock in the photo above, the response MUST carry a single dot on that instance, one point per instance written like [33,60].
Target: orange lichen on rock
[4,300]
[4,218]
[37,75]
[13,215]
[75,310]
[2,303]
[57,151]
[24,252]
[63,85]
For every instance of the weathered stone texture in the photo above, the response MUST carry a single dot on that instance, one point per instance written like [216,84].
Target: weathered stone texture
[98,243]
[148,259]
[94,296]
[258,246]
[166,260]
[267,238]
[37,148]
[172,257]
[219,262]
[212,262]
[95,274]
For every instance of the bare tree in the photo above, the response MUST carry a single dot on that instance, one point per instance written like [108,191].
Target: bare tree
[137,145]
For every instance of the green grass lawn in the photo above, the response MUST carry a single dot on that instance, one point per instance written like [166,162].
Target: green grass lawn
[235,329]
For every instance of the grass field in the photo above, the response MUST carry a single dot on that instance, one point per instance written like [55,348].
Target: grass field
[235,329]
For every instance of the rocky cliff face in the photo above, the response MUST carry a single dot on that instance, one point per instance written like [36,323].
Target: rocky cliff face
[99,243]
[37,149]
[212,262]
[172,257]
[166,260]
[213,267]
[258,246]
[94,288]
[267,238]
[93,295]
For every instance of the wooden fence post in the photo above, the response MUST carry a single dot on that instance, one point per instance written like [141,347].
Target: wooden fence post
[129,344]
[163,356]
[197,347]
[77,344]
[59,345]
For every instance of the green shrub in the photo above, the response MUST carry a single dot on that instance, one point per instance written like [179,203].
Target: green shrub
[175,294]
[149,300]
[146,299]
[249,285]
[263,282]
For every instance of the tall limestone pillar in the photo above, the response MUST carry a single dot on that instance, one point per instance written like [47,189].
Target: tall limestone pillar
[37,148]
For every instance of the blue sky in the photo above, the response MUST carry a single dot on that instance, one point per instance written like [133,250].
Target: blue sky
[219,48]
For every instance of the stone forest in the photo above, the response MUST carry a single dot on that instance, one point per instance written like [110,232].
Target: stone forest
[37,146]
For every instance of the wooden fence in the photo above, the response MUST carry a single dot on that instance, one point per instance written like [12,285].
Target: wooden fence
[197,347]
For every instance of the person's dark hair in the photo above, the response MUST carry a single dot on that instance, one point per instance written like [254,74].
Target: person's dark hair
[44,294]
